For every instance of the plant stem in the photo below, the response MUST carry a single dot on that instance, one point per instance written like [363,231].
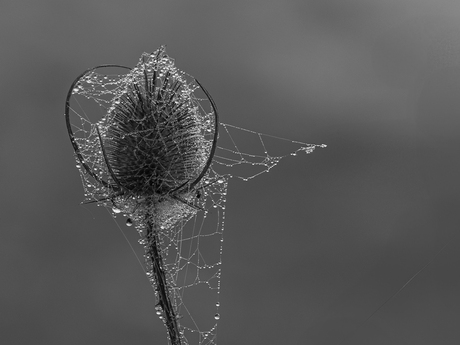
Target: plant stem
[161,285]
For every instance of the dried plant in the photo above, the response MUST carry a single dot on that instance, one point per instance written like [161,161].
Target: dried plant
[151,155]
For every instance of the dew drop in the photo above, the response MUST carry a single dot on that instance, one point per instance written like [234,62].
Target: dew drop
[116,210]
[217,316]
[217,304]
[129,222]
[158,309]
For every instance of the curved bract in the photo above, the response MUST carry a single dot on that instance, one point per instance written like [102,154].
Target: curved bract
[73,89]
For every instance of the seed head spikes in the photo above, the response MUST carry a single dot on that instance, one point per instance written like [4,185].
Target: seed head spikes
[154,143]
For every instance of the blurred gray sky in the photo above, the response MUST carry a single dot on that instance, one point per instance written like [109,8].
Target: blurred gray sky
[311,249]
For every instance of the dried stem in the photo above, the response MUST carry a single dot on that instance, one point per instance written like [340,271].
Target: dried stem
[158,271]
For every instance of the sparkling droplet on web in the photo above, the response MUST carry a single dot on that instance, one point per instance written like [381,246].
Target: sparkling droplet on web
[217,316]
[129,222]
[116,210]
[217,304]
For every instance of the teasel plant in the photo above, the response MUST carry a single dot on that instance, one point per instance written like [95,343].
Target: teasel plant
[148,156]
[145,143]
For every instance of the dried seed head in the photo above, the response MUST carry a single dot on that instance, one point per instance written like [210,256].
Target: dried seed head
[154,139]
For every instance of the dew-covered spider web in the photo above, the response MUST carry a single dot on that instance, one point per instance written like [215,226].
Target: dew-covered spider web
[149,146]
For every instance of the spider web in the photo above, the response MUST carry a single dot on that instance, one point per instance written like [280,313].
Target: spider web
[113,155]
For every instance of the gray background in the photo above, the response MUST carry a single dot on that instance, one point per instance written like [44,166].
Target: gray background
[311,249]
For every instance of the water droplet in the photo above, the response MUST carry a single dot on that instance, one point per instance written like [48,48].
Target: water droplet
[129,222]
[116,210]
[158,309]
[220,181]
[217,304]
[78,166]
[217,316]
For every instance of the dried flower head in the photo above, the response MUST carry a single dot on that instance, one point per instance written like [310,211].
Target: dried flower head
[155,142]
